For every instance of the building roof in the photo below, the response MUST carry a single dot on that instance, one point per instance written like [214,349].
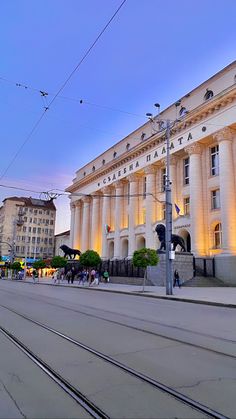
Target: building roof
[64,233]
[33,202]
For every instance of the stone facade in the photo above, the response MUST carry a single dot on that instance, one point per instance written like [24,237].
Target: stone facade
[125,186]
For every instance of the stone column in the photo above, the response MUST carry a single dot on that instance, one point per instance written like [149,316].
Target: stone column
[72,222]
[119,186]
[95,233]
[196,199]
[77,226]
[85,224]
[133,212]
[227,190]
[105,219]
[150,173]
[173,184]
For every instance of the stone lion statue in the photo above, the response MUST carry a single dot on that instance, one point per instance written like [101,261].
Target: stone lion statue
[69,252]
[175,239]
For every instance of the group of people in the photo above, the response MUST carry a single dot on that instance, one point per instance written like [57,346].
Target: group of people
[92,277]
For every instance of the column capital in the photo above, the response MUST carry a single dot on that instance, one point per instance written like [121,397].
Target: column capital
[118,184]
[133,177]
[96,195]
[86,199]
[195,148]
[105,190]
[150,170]
[224,134]
[78,203]
[72,206]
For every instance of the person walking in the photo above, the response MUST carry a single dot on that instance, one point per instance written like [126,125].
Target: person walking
[69,276]
[106,276]
[176,279]
[35,275]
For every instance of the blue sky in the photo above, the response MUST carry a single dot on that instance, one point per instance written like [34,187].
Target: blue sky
[153,51]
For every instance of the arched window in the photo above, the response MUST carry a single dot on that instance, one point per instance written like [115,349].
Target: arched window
[183,111]
[114,154]
[103,162]
[218,236]
[93,168]
[127,146]
[208,95]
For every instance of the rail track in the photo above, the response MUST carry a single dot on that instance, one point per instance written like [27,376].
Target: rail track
[76,394]
[106,318]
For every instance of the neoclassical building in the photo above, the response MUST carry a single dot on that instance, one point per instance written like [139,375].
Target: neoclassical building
[118,198]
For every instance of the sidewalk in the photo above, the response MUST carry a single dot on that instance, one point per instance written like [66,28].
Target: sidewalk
[216,296]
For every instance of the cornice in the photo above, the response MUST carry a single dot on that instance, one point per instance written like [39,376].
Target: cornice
[198,114]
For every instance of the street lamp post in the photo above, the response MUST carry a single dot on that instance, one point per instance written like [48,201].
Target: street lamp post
[168,202]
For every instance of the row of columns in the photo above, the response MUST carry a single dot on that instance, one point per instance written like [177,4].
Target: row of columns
[90,215]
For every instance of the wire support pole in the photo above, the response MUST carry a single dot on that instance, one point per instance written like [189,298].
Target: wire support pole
[168,203]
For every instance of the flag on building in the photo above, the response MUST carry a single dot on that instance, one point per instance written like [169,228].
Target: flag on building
[107,228]
[177,209]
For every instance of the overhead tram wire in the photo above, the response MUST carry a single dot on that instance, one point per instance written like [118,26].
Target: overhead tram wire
[60,90]
[45,93]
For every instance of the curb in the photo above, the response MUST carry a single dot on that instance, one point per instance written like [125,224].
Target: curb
[140,294]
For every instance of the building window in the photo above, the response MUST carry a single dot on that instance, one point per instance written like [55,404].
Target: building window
[163,180]
[144,216]
[215,160]
[23,249]
[114,154]
[187,206]
[35,212]
[34,229]
[35,220]
[163,212]
[218,236]
[208,95]
[39,230]
[24,229]
[183,111]
[25,219]
[51,222]
[103,162]
[29,229]
[127,146]
[215,199]
[186,171]
[144,187]
[17,249]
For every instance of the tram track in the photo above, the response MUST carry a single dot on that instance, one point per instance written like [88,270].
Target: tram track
[106,319]
[95,411]
[74,393]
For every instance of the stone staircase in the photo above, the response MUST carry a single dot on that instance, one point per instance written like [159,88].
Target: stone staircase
[202,281]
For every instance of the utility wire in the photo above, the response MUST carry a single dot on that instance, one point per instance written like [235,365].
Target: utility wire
[60,90]
[44,94]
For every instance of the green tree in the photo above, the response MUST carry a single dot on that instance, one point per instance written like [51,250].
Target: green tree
[16,266]
[39,265]
[58,262]
[143,258]
[90,259]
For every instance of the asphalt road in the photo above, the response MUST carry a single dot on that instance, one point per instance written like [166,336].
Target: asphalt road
[190,348]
